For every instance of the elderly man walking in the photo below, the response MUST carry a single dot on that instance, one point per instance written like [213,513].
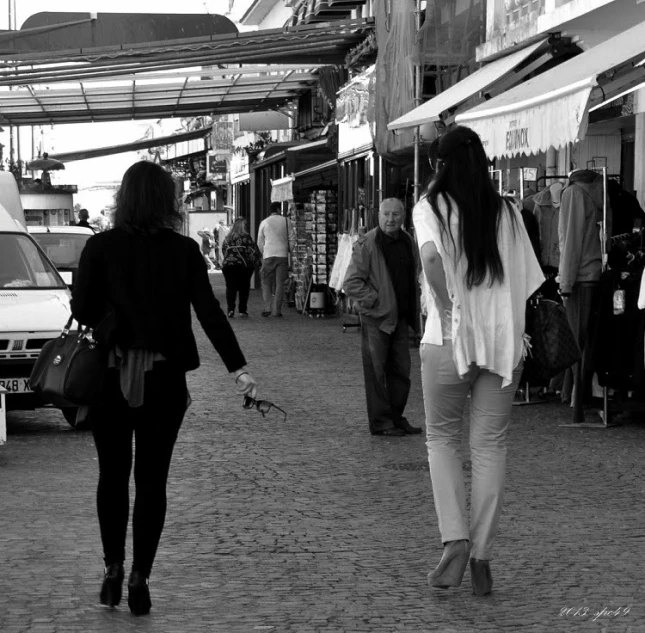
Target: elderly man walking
[381,280]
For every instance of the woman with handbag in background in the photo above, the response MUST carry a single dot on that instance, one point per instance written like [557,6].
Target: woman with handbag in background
[146,276]
[240,257]
[479,270]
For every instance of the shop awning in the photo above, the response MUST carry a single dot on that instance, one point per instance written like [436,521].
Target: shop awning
[282,189]
[464,89]
[160,141]
[552,109]
[330,164]
[214,74]
[309,146]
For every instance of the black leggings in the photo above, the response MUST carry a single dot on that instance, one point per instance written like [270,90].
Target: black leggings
[155,426]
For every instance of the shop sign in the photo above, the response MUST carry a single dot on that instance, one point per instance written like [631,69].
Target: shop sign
[217,169]
[512,130]
[223,136]
[517,138]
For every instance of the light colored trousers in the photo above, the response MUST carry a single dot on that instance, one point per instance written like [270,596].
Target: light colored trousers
[444,395]
[273,274]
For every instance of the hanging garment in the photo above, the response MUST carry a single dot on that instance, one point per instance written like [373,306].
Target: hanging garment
[618,336]
[341,262]
[581,211]
[625,208]
[546,209]
[641,294]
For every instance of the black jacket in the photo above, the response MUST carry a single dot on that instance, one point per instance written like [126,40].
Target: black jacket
[148,284]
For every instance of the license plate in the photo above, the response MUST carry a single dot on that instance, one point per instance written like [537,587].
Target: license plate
[15,385]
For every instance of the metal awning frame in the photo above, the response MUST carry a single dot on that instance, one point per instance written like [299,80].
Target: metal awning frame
[164,79]
[94,101]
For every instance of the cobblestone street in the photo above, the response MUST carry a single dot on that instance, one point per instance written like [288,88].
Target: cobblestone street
[314,525]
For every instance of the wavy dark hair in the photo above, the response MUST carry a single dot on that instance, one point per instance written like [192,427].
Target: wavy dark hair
[146,200]
[462,176]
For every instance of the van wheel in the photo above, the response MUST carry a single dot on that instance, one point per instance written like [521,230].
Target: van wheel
[70,413]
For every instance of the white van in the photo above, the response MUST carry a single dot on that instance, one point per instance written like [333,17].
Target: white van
[34,304]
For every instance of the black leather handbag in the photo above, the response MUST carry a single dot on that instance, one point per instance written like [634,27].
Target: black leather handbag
[553,345]
[70,370]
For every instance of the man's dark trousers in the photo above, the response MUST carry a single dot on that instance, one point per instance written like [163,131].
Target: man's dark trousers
[386,367]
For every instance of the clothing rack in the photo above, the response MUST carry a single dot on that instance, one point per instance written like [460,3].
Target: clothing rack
[617,177]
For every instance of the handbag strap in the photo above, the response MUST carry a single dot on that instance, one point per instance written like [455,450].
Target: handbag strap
[286,223]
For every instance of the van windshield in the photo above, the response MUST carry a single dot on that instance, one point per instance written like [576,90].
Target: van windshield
[22,265]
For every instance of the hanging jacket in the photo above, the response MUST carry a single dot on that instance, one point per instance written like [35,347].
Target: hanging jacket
[547,216]
[581,210]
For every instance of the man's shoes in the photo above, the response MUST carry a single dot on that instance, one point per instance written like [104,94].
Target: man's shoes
[408,429]
[393,432]
[404,425]
[244,315]
[266,314]
[231,314]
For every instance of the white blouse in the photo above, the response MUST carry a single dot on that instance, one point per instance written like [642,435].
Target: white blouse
[487,321]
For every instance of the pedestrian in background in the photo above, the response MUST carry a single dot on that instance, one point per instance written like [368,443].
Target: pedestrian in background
[240,258]
[381,281]
[83,217]
[207,246]
[480,269]
[142,278]
[276,240]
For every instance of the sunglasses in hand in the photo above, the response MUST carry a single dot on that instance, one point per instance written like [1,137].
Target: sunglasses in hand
[263,406]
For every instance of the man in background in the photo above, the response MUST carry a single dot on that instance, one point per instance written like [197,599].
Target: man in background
[276,240]
[381,280]
[83,217]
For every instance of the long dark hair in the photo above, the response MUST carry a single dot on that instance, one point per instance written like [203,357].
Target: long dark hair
[146,200]
[462,175]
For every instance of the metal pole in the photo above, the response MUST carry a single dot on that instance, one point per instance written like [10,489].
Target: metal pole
[417,100]
[603,247]
[521,183]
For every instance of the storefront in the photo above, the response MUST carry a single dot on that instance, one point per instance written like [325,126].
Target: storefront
[240,185]
[311,200]
[579,119]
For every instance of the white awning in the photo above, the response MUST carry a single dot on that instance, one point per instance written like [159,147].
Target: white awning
[464,89]
[552,109]
[282,189]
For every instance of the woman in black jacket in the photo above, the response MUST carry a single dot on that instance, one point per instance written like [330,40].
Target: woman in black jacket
[241,257]
[136,284]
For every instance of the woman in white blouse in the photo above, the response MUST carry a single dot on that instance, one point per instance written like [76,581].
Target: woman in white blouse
[479,270]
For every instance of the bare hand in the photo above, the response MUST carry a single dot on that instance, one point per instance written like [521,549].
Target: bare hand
[246,385]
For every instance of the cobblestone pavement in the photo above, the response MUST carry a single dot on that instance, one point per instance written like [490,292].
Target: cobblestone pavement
[313,525]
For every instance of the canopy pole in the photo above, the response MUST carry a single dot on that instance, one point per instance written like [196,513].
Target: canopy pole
[418,77]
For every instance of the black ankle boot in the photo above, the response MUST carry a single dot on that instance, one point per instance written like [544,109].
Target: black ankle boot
[112,585]
[138,594]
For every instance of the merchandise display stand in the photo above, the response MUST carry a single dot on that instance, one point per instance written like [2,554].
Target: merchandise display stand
[321,225]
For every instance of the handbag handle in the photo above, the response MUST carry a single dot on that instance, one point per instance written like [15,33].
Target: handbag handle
[84,331]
